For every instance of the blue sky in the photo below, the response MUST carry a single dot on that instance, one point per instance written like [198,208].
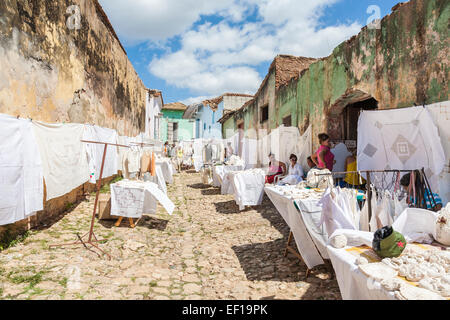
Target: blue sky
[196,49]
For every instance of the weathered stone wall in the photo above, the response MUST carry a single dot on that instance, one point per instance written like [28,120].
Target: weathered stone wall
[51,73]
[402,64]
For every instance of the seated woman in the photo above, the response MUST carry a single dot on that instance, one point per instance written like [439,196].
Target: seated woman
[435,205]
[276,168]
[295,173]
[353,180]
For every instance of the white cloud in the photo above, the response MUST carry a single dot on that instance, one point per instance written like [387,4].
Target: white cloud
[214,58]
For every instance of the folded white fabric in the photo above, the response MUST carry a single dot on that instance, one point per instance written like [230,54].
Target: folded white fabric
[21,173]
[63,157]
[416,224]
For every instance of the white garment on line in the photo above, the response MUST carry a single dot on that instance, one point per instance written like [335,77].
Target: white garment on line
[400,139]
[21,172]
[440,112]
[63,155]
[121,151]
[335,213]
[95,151]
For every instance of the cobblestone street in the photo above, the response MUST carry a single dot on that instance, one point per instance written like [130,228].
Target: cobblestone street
[206,250]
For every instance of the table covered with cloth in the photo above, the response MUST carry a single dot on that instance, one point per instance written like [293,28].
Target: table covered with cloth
[220,171]
[353,283]
[166,168]
[301,212]
[132,199]
[246,186]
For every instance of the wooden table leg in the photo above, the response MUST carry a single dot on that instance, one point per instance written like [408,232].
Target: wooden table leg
[119,221]
[131,222]
[288,243]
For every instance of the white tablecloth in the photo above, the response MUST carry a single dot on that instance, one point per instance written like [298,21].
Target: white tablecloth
[132,199]
[167,169]
[219,173]
[247,186]
[353,284]
[311,241]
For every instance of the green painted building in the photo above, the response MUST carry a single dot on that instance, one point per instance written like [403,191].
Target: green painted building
[400,63]
[173,127]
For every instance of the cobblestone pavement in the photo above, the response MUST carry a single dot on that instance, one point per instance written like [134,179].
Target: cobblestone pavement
[206,250]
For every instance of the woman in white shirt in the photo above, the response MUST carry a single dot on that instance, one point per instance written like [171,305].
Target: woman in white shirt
[295,172]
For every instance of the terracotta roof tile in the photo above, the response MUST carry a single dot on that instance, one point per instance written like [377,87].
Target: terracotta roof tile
[175,106]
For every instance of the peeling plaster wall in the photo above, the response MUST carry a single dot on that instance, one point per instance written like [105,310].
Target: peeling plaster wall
[53,74]
[402,64]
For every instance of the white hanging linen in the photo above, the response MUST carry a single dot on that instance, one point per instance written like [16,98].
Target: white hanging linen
[121,151]
[335,214]
[21,172]
[400,139]
[63,155]
[304,149]
[95,151]
[250,152]
[440,113]
[198,154]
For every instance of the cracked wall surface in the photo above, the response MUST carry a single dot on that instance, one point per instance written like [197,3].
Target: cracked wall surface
[51,73]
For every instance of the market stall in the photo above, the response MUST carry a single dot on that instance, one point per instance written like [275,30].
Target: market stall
[299,208]
[362,275]
[131,199]
[246,186]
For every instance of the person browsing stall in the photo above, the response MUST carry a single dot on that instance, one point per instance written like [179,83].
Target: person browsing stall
[324,158]
[435,205]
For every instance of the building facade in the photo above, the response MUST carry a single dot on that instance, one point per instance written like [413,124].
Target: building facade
[208,113]
[173,127]
[402,63]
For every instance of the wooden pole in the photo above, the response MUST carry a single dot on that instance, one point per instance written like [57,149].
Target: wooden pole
[369,195]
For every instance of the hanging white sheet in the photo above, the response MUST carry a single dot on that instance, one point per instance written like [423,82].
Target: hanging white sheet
[250,153]
[21,173]
[123,140]
[63,156]
[95,151]
[401,139]
[304,149]
[440,113]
